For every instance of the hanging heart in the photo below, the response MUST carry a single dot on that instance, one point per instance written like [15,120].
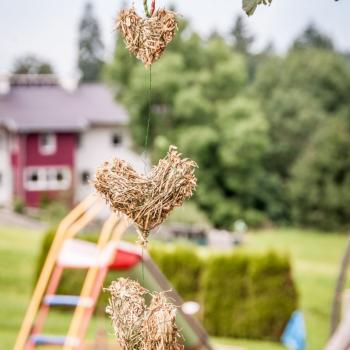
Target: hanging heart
[147,38]
[147,199]
[138,326]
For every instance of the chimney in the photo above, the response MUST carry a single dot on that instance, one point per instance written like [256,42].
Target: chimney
[4,84]
[70,83]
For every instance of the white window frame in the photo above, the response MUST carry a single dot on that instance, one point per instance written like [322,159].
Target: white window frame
[82,181]
[117,134]
[47,178]
[51,143]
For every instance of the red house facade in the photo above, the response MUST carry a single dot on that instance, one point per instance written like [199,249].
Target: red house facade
[43,165]
[52,139]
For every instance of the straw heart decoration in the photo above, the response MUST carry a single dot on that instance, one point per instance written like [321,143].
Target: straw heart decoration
[147,38]
[147,199]
[138,326]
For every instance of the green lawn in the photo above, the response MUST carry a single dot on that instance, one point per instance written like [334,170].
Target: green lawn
[315,258]
[248,344]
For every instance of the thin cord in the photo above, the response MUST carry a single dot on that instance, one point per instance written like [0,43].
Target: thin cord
[149,108]
[148,126]
[145,7]
[146,148]
[143,269]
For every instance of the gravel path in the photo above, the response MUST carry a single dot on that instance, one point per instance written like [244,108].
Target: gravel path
[10,218]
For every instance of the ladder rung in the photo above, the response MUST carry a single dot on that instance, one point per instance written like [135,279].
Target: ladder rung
[67,300]
[42,339]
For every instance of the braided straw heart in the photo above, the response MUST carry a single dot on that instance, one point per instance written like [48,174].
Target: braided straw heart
[147,199]
[138,326]
[147,38]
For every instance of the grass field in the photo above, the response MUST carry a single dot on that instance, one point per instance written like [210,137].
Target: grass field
[315,259]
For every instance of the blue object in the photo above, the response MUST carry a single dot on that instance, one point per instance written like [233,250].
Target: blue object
[294,335]
[67,300]
[48,339]
[42,339]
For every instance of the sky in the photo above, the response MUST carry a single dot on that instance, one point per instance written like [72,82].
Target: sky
[49,28]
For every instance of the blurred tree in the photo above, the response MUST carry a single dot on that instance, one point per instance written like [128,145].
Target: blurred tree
[91,49]
[298,94]
[320,185]
[242,39]
[195,89]
[246,131]
[32,65]
[312,37]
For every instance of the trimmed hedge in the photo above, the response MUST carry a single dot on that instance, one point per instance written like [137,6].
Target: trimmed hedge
[182,266]
[248,296]
[242,295]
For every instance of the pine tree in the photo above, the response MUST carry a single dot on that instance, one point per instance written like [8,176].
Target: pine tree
[241,38]
[312,37]
[91,48]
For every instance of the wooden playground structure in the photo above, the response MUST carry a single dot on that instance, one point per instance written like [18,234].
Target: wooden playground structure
[109,253]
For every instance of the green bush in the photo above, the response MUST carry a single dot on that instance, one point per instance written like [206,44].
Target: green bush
[19,205]
[247,296]
[182,266]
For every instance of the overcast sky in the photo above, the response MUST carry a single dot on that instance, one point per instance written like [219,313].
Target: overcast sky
[48,28]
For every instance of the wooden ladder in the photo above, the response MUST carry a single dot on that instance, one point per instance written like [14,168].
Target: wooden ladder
[44,295]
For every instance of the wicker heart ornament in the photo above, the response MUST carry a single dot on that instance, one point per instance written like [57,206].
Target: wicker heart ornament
[138,326]
[147,199]
[147,38]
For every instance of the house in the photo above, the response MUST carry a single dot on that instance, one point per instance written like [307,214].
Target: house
[52,138]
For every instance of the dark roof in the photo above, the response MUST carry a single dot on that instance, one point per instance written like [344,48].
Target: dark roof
[36,108]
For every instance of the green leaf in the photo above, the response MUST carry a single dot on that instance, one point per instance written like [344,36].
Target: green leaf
[249,6]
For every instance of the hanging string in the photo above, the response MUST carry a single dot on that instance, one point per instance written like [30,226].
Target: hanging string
[148,14]
[145,7]
[153,7]
[149,109]
[146,141]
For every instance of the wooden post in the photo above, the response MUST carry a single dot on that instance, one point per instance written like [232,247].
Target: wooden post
[339,289]
[341,337]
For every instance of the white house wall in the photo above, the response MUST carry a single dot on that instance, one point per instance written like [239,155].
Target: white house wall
[96,146]
[5,169]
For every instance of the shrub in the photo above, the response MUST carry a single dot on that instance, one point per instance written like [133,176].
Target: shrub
[182,266]
[19,205]
[247,296]
[54,212]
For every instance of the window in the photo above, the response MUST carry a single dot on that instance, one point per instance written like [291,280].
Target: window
[78,141]
[85,177]
[47,178]
[116,139]
[33,179]
[47,143]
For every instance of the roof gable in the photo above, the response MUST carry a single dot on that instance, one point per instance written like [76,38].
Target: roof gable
[50,107]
